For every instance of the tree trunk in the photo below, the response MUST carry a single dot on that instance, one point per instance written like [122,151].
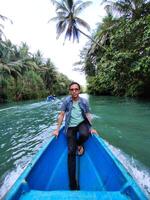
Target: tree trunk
[91,39]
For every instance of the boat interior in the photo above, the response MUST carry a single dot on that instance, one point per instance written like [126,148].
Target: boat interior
[99,174]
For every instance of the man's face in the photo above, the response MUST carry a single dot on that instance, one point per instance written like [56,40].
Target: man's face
[74,90]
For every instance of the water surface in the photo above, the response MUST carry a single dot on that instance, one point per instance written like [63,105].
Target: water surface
[123,123]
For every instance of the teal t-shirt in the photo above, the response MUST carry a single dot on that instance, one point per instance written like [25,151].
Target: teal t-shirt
[76,115]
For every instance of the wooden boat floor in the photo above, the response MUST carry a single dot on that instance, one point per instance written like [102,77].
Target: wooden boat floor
[75,195]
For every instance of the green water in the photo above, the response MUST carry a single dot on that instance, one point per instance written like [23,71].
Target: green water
[123,123]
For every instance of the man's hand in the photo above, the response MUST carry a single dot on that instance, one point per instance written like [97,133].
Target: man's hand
[56,132]
[93,131]
[60,119]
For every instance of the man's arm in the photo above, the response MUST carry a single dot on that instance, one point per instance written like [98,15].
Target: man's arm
[89,117]
[59,122]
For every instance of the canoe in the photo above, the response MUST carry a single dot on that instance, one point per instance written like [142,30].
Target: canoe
[100,175]
[51,98]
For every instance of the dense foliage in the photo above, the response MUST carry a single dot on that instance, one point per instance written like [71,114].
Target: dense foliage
[122,69]
[27,76]
[116,61]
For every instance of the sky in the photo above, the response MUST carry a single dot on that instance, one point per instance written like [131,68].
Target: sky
[30,24]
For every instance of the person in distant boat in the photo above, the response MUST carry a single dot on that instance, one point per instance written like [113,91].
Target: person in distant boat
[77,115]
[51,97]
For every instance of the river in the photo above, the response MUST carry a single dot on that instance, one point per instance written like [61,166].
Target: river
[123,123]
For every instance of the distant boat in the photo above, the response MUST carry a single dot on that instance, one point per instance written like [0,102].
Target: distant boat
[100,175]
[51,97]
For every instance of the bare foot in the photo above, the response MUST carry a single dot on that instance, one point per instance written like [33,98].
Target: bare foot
[80,150]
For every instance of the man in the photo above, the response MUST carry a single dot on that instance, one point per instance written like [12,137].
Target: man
[77,119]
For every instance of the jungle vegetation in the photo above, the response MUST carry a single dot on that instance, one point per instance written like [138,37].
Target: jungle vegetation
[123,67]
[116,59]
[25,76]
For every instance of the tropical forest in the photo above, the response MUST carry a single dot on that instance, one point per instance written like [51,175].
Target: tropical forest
[115,60]
[25,76]
[120,63]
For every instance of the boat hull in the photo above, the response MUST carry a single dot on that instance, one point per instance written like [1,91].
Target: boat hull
[99,174]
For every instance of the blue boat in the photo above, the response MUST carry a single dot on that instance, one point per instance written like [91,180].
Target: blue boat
[100,175]
[51,98]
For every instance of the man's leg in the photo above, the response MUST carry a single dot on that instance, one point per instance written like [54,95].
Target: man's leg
[84,133]
[71,139]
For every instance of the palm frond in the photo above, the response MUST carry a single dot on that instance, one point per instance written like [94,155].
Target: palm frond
[15,73]
[81,6]
[75,34]
[68,33]
[69,4]
[62,13]
[2,26]
[57,18]
[67,20]
[77,3]
[31,65]
[53,1]
[4,67]
[5,18]
[15,63]
[60,5]
[82,23]
[60,27]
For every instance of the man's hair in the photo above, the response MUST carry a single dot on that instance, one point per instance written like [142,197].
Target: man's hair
[72,83]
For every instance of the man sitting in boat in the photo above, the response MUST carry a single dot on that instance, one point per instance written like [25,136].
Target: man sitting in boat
[77,120]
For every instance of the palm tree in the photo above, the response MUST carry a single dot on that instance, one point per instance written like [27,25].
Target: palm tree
[103,36]
[68,21]
[107,25]
[3,18]
[38,58]
[49,75]
[6,51]
[130,8]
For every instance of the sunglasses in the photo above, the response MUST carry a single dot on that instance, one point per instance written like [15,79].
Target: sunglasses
[74,89]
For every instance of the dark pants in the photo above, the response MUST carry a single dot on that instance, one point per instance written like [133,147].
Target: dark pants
[73,142]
